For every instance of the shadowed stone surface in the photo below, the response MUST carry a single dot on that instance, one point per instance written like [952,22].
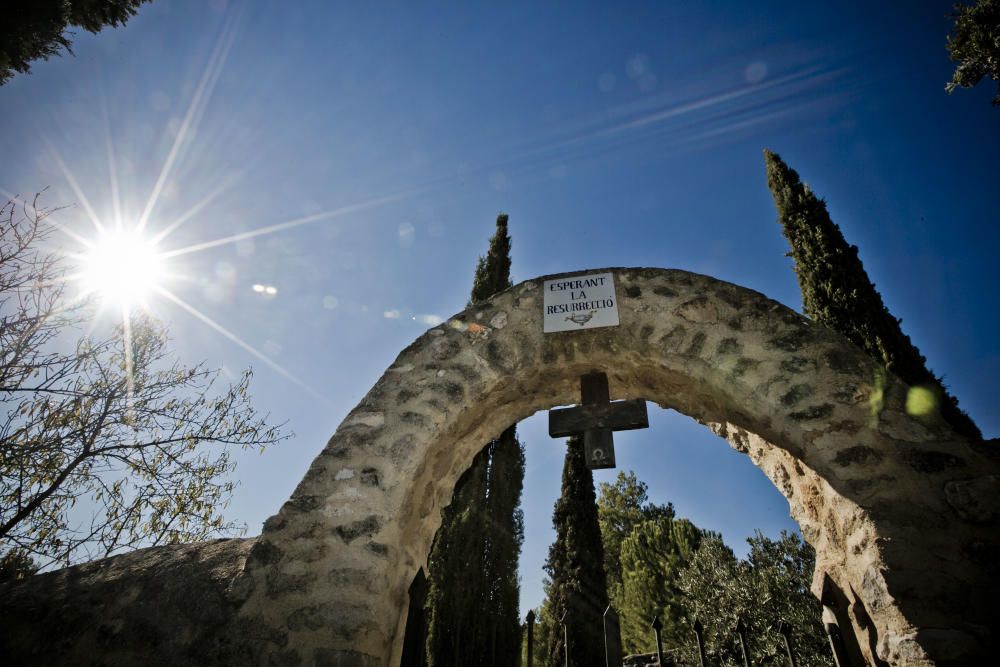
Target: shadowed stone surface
[167,605]
[903,514]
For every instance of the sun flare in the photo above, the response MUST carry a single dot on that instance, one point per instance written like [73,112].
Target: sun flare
[122,268]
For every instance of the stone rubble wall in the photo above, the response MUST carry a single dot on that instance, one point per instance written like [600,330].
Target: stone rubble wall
[170,605]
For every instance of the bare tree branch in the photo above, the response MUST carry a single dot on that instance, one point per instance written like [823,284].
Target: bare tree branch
[147,456]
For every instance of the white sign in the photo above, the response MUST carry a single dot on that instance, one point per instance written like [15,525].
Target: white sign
[580,302]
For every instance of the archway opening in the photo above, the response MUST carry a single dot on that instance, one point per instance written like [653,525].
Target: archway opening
[703,479]
[864,480]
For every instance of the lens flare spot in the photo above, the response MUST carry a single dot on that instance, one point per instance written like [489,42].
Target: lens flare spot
[267,290]
[921,401]
[755,72]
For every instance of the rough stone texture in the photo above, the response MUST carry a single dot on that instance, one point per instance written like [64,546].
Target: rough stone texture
[160,606]
[903,514]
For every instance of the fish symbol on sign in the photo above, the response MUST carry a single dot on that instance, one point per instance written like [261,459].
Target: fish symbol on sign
[581,318]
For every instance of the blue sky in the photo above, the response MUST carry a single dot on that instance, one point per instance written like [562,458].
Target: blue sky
[389,136]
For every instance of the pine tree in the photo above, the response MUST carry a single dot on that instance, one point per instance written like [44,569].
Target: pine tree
[473,599]
[34,29]
[652,558]
[837,293]
[575,567]
[621,507]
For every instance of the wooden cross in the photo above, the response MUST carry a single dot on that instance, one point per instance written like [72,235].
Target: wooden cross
[596,419]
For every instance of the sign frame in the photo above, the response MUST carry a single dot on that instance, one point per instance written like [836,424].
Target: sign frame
[574,303]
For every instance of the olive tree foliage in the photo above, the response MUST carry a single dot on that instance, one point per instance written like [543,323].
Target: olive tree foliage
[106,443]
[975,45]
[771,586]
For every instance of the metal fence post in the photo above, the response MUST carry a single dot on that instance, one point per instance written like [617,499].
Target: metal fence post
[741,632]
[786,632]
[657,625]
[415,634]
[612,638]
[699,633]
[837,647]
[530,619]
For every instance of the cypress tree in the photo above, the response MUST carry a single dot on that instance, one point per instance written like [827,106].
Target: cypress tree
[504,534]
[493,270]
[454,571]
[473,598]
[575,566]
[837,293]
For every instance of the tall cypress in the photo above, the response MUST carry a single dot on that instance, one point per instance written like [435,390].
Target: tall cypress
[837,293]
[473,599]
[454,570]
[577,584]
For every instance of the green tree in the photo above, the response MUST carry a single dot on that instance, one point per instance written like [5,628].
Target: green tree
[782,572]
[717,591]
[975,45]
[15,566]
[621,506]
[41,28]
[652,558]
[770,586]
[837,293]
[454,568]
[493,270]
[504,536]
[575,567]
[473,600]
[110,444]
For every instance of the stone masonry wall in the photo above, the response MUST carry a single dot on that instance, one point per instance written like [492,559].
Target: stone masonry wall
[903,514]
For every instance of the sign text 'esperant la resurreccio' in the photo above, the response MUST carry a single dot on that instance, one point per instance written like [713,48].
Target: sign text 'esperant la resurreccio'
[580,302]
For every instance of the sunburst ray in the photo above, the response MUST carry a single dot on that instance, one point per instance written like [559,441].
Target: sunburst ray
[309,219]
[273,365]
[194,210]
[198,101]
[76,188]
[109,149]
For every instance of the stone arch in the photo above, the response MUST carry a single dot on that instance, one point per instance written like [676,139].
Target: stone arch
[902,512]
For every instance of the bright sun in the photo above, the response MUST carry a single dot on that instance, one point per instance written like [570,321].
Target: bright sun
[122,267]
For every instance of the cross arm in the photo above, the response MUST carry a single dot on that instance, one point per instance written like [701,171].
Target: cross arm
[618,416]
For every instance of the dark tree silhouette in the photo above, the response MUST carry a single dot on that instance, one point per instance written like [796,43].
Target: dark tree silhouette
[473,601]
[33,29]
[975,45]
[577,584]
[837,293]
